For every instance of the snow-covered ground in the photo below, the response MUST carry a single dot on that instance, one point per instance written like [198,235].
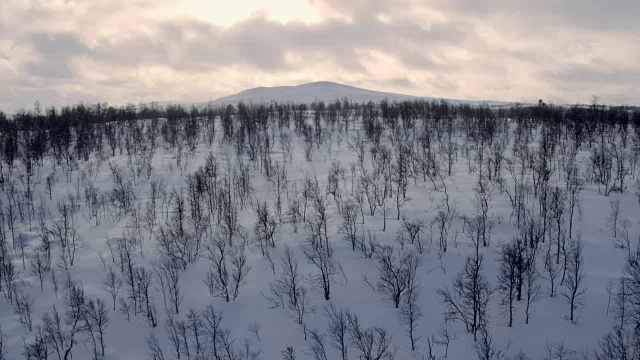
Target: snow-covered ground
[278,329]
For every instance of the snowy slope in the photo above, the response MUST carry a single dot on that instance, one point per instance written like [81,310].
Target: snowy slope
[125,338]
[307,93]
[328,91]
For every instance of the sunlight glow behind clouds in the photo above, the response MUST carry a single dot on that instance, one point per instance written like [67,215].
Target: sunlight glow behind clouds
[119,51]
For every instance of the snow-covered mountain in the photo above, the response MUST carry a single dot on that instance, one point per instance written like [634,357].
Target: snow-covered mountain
[307,93]
[327,91]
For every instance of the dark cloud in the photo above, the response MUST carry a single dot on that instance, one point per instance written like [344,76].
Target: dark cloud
[595,75]
[49,68]
[401,82]
[55,53]
[398,82]
[264,43]
[593,15]
[53,45]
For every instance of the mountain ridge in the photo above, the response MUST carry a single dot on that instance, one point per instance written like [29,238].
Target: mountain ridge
[329,91]
[310,92]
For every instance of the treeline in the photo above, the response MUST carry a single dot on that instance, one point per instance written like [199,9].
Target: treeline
[85,127]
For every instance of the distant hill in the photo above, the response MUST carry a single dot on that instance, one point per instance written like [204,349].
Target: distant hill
[306,93]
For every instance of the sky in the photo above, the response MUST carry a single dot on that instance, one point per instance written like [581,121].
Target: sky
[60,52]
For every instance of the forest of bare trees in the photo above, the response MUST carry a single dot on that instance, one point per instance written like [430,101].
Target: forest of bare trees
[173,220]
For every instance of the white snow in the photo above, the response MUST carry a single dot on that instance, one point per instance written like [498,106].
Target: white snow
[126,339]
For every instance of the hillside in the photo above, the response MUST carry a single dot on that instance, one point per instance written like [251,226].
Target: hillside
[310,92]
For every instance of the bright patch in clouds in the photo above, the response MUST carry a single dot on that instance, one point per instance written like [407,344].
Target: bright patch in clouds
[119,51]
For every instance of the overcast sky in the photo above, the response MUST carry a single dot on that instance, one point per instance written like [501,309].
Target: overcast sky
[120,51]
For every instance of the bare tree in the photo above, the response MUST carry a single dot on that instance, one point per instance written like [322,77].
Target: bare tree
[468,299]
[320,254]
[320,204]
[96,321]
[8,277]
[61,332]
[183,336]
[518,193]
[371,343]
[397,272]
[195,327]
[228,212]
[169,272]
[180,237]
[288,353]
[532,292]
[144,279]
[3,346]
[54,282]
[601,163]
[265,227]
[558,351]
[39,265]
[22,242]
[349,227]
[65,231]
[124,255]
[507,278]
[154,348]
[410,312]
[443,222]
[338,329]
[112,285]
[574,284]
[284,289]
[430,353]
[218,277]
[610,287]
[619,344]
[172,328]
[239,269]
[212,326]
[574,186]
[301,309]
[367,242]
[23,308]
[400,177]
[280,181]
[334,177]
[382,194]
[50,183]
[555,210]
[294,212]
[444,336]
[254,328]
[486,349]
[317,350]
[553,271]
[36,350]
[366,187]
[482,224]
[613,221]
[289,292]
[414,230]
[620,156]
[625,236]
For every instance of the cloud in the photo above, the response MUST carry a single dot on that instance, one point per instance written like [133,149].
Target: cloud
[122,51]
[586,14]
